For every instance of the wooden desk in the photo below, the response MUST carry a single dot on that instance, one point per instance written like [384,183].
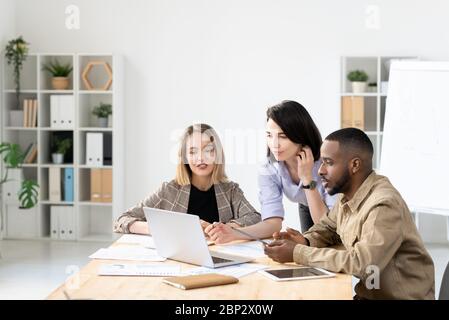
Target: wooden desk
[253,286]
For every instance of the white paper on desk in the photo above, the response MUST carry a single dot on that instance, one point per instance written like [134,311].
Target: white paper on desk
[142,240]
[237,271]
[138,270]
[250,249]
[127,253]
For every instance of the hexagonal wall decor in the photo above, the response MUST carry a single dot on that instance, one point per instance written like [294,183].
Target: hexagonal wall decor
[88,69]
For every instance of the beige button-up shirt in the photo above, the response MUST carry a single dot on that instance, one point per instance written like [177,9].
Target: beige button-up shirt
[382,245]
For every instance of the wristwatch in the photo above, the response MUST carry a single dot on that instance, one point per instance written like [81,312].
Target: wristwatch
[311,185]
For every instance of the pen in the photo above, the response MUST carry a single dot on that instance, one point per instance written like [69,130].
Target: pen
[250,236]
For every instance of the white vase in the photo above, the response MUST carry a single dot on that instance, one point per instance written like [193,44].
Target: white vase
[58,158]
[358,87]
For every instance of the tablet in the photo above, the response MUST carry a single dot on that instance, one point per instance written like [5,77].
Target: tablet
[298,273]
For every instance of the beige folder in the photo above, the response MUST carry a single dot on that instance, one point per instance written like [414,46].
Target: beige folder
[95,185]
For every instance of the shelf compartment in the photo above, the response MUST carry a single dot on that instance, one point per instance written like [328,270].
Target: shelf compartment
[86,106]
[44,191]
[47,140]
[97,75]
[367,64]
[107,148]
[28,75]
[45,110]
[11,105]
[46,77]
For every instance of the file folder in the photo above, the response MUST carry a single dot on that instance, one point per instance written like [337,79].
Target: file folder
[94,149]
[68,184]
[54,186]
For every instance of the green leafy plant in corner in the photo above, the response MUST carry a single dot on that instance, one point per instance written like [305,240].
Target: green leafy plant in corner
[57,69]
[357,76]
[13,158]
[16,52]
[62,145]
[103,110]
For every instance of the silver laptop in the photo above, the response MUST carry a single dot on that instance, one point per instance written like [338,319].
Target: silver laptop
[179,236]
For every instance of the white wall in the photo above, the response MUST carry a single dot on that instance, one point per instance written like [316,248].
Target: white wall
[224,62]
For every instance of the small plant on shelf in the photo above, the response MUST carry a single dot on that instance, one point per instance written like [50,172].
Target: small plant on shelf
[102,111]
[60,73]
[60,147]
[13,159]
[358,79]
[16,52]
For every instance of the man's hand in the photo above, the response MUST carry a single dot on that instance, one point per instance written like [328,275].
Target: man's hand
[292,235]
[281,250]
[220,233]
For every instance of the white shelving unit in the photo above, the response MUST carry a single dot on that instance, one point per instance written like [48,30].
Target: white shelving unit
[93,220]
[377,68]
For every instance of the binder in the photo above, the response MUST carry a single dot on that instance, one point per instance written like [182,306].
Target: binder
[353,112]
[94,149]
[106,185]
[66,223]
[54,185]
[67,111]
[54,111]
[62,111]
[62,222]
[95,185]
[54,222]
[68,184]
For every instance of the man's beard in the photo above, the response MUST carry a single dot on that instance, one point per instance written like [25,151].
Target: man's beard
[341,185]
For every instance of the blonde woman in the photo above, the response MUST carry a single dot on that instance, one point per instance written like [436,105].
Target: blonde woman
[200,187]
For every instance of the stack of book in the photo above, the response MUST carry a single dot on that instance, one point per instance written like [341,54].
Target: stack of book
[30,113]
[30,153]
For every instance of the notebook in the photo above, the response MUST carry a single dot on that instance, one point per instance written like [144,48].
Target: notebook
[200,281]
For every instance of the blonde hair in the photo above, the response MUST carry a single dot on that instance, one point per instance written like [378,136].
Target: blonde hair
[183,171]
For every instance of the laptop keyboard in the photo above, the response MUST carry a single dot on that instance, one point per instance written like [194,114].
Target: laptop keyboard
[220,260]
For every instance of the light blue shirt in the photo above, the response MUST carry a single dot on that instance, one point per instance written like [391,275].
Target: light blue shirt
[275,181]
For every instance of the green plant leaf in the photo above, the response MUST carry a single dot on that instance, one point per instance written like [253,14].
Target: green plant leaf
[28,194]
[14,156]
[57,69]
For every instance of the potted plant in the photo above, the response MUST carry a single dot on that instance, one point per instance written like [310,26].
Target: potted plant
[60,74]
[372,87]
[16,52]
[358,80]
[60,147]
[102,112]
[13,159]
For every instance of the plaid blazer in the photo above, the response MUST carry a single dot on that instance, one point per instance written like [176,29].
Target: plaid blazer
[232,205]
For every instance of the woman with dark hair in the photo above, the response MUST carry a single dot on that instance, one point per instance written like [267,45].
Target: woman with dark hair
[293,160]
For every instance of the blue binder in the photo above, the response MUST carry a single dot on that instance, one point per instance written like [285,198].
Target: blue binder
[68,184]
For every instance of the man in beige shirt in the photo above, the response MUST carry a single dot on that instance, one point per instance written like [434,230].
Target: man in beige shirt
[382,246]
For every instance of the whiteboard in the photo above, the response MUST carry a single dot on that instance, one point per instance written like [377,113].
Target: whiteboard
[415,145]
